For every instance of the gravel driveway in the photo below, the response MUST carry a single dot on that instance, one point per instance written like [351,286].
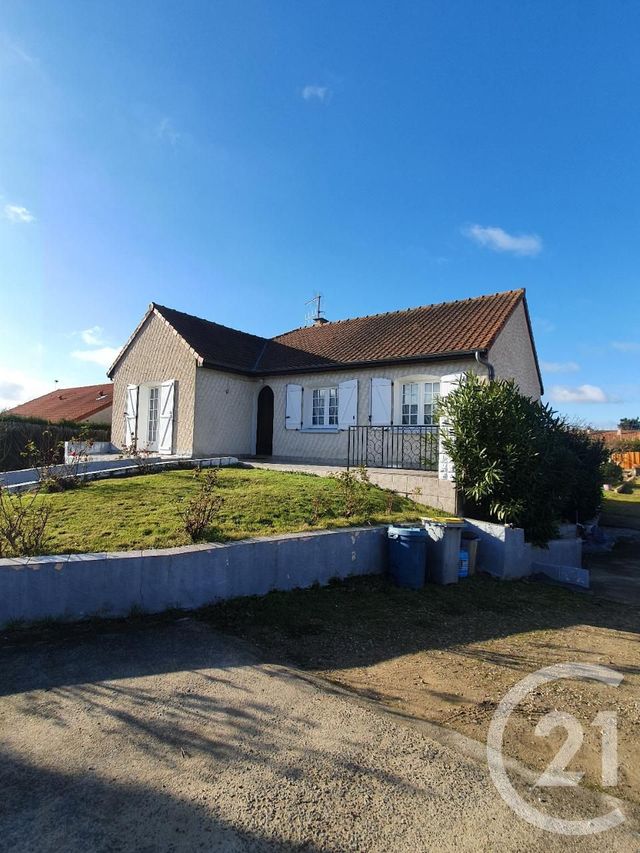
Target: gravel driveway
[170,737]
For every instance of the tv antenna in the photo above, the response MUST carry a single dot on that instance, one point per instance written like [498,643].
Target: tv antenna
[315,314]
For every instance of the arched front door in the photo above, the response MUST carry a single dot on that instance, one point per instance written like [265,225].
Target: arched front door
[264,432]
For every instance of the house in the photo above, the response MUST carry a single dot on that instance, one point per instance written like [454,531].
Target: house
[90,403]
[357,390]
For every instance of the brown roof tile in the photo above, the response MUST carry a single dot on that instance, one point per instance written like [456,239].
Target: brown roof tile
[68,404]
[431,331]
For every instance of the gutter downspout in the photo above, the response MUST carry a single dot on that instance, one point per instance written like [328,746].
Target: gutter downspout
[483,360]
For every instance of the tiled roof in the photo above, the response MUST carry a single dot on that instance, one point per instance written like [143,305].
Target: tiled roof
[68,404]
[217,345]
[448,328]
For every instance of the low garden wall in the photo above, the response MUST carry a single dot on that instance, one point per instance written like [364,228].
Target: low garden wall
[504,553]
[78,586]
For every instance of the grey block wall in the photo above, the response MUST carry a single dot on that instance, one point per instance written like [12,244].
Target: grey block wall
[77,586]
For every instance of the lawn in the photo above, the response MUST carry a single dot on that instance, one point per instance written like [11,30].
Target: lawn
[622,510]
[143,511]
[449,655]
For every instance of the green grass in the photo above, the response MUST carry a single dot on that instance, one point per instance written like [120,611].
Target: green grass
[622,510]
[143,511]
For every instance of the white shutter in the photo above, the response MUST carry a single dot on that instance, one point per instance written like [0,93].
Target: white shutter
[165,419]
[348,403]
[380,402]
[293,414]
[450,382]
[130,415]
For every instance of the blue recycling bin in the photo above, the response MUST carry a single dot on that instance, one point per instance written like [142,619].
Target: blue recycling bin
[408,556]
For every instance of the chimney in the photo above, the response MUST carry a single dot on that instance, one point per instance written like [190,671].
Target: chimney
[319,321]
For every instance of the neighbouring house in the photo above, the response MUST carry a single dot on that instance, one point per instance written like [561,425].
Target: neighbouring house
[352,391]
[90,403]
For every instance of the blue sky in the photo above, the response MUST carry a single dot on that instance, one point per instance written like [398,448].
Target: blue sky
[232,158]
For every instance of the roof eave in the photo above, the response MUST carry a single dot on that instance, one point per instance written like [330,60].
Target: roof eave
[387,362]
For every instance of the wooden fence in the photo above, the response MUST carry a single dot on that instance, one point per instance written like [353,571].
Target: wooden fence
[628,459]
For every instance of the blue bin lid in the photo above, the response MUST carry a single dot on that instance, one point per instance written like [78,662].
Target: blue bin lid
[406,532]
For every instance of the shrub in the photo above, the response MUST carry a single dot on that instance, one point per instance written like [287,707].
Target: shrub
[612,473]
[55,474]
[516,461]
[201,510]
[354,491]
[23,524]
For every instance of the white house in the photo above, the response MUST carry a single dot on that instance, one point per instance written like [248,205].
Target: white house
[357,390]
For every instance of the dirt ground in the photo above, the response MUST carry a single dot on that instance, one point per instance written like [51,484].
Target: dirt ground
[173,737]
[449,655]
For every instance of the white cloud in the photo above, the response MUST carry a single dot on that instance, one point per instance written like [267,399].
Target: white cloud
[17,386]
[15,213]
[93,337]
[317,93]
[498,240]
[581,394]
[560,366]
[626,346]
[166,132]
[104,356]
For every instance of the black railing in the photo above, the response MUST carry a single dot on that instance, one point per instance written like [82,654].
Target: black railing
[413,447]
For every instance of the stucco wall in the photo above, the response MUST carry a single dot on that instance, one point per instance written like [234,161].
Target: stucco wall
[332,446]
[225,414]
[102,417]
[157,355]
[512,354]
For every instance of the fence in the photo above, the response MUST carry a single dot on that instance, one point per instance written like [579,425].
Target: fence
[16,434]
[412,447]
[628,459]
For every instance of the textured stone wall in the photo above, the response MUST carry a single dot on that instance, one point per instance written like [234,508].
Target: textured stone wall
[225,414]
[157,355]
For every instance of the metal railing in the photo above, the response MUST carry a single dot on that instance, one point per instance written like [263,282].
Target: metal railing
[414,447]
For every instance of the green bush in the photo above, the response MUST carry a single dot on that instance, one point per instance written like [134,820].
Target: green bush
[612,473]
[517,461]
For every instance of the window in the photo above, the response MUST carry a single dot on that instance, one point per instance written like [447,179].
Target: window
[418,403]
[324,411]
[152,430]
[410,404]
[431,394]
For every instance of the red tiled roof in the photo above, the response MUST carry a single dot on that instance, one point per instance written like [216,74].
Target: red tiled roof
[430,331]
[68,404]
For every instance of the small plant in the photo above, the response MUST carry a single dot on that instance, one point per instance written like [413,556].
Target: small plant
[390,500]
[203,507]
[23,524]
[353,491]
[139,457]
[55,473]
[318,509]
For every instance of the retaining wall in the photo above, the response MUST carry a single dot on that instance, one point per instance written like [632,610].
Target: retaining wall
[504,553]
[80,585]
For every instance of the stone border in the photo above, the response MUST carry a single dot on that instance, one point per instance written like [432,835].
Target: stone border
[124,468]
[77,586]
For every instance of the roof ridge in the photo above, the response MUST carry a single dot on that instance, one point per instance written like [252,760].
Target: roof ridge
[484,296]
[162,308]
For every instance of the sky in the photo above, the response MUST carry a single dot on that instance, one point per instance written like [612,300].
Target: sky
[232,159]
